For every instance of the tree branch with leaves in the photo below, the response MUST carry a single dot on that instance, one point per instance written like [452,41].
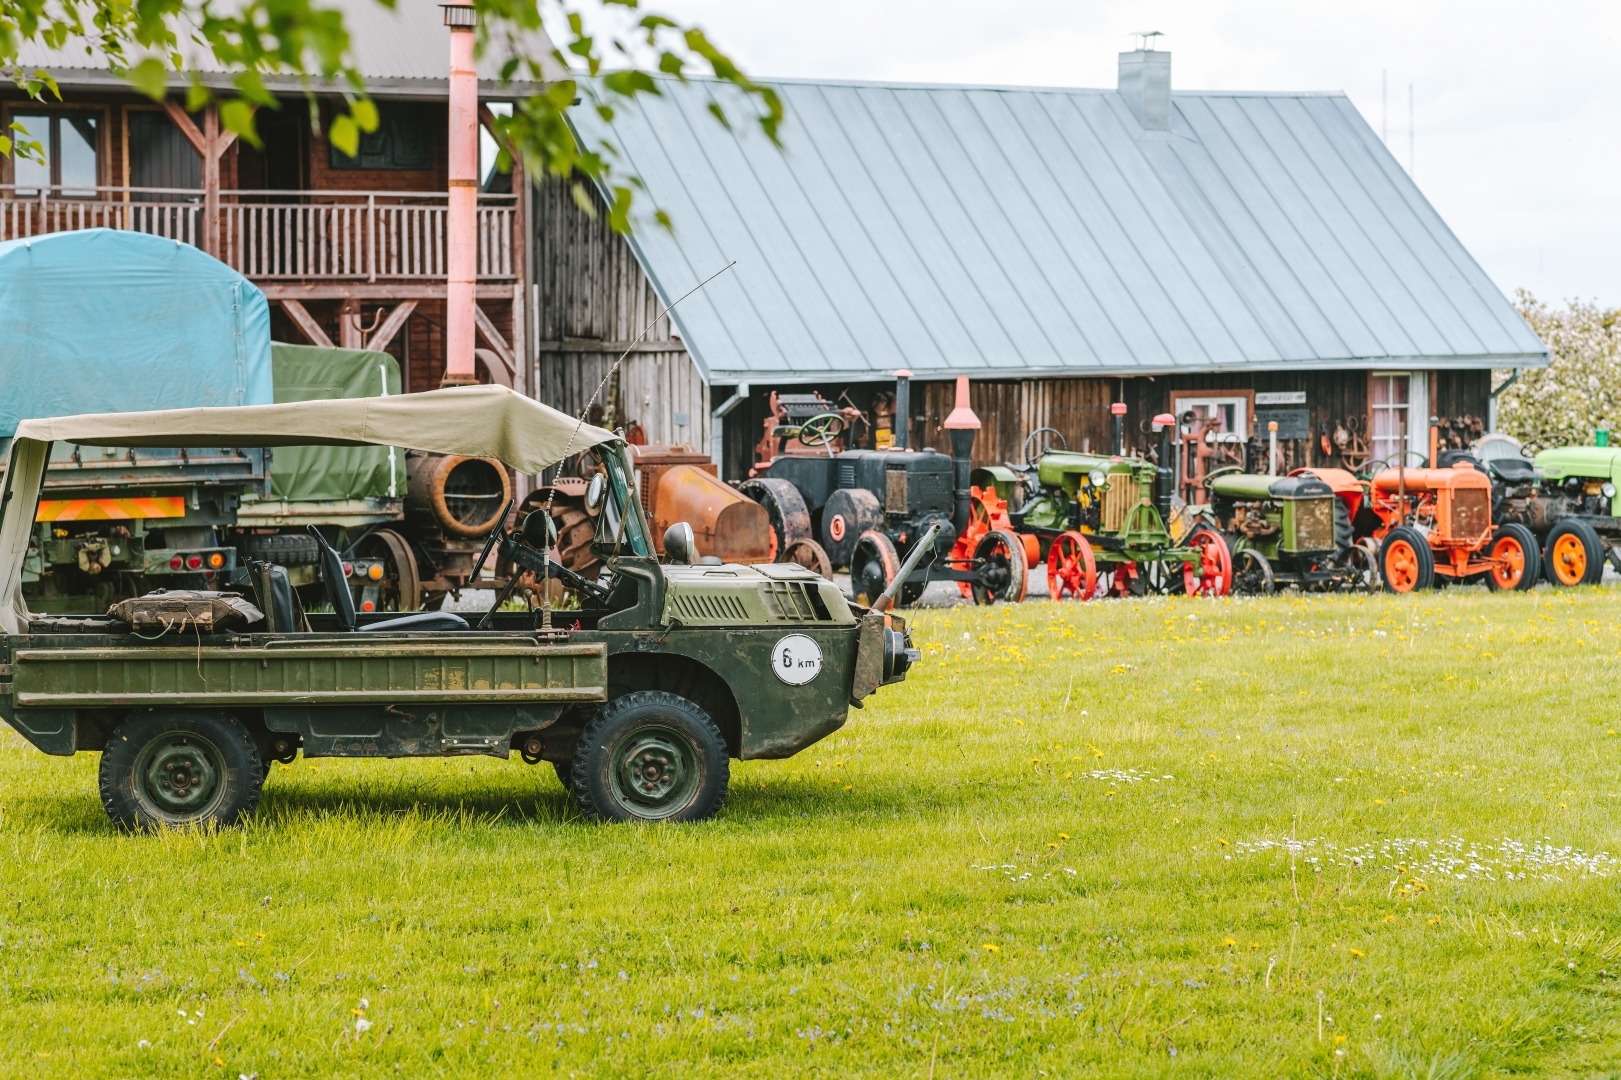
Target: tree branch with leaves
[145,42]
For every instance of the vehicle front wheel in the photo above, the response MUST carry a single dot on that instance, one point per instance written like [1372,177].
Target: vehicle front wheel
[164,769]
[651,756]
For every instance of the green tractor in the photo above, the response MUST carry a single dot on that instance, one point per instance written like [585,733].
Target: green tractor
[1584,516]
[1293,530]
[1102,523]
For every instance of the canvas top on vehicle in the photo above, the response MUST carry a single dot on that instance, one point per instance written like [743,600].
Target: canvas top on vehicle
[483,421]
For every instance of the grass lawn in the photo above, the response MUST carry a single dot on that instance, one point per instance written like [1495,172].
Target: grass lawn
[1337,837]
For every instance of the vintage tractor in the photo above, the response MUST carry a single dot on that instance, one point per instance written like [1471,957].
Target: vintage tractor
[1566,496]
[870,507]
[1436,524]
[1100,522]
[1293,530]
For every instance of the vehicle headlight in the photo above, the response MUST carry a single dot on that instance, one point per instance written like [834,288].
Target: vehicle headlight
[1098,478]
[1607,489]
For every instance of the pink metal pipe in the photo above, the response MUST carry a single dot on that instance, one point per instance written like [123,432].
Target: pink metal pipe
[462,239]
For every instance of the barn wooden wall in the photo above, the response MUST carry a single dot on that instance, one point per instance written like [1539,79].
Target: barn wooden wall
[592,302]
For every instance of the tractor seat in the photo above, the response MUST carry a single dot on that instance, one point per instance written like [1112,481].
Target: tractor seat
[343,602]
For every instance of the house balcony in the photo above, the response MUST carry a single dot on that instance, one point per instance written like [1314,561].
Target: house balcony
[277,237]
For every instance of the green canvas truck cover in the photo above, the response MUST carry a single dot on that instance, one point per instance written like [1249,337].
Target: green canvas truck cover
[334,473]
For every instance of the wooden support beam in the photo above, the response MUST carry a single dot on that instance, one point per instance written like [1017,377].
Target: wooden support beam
[391,326]
[349,325]
[396,291]
[492,337]
[187,128]
[306,323]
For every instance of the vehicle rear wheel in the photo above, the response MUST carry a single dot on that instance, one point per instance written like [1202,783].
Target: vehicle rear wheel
[1000,564]
[848,513]
[1513,552]
[784,506]
[401,586]
[873,566]
[1362,559]
[1405,562]
[1072,569]
[650,756]
[180,767]
[1252,574]
[1573,554]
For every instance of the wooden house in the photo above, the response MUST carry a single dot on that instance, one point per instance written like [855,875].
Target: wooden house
[350,250]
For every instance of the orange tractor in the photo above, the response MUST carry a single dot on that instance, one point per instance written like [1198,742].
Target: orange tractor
[1436,524]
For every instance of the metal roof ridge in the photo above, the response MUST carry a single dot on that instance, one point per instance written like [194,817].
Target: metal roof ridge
[1011,88]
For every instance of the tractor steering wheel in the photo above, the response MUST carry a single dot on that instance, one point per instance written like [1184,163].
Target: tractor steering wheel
[1030,455]
[821,429]
[1367,471]
[1225,469]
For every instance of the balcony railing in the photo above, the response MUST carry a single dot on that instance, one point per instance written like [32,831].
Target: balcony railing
[284,235]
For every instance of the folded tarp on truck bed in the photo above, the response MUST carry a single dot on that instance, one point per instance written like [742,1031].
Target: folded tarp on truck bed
[109,321]
[334,473]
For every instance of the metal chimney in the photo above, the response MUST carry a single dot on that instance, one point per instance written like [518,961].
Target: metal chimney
[1145,83]
[903,409]
[962,425]
[461,223]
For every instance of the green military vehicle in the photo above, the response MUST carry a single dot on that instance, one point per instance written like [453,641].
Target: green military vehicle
[639,697]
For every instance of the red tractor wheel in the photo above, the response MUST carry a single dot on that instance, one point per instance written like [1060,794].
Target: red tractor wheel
[1002,554]
[1072,572]
[1514,557]
[1405,561]
[1215,568]
[986,513]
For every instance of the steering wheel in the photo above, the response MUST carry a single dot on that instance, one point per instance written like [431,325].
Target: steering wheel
[1367,471]
[821,429]
[1213,473]
[1029,456]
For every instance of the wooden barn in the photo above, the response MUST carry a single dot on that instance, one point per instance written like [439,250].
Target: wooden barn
[1234,258]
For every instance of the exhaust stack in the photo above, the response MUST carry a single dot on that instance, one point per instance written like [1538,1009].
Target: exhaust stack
[903,408]
[1118,409]
[1165,472]
[461,218]
[963,426]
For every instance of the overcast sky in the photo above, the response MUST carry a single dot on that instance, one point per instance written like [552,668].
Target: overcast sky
[1516,118]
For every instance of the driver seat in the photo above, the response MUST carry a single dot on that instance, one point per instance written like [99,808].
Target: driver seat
[343,602]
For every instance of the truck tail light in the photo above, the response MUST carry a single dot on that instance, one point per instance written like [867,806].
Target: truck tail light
[216,560]
[194,562]
[176,563]
[375,571]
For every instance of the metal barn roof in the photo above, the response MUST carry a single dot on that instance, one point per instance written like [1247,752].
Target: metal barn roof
[403,52]
[1010,232]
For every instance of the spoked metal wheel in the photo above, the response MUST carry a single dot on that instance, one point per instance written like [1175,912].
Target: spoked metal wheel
[1072,570]
[400,587]
[1362,559]
[809,554]
[1252,574]
[1213,575]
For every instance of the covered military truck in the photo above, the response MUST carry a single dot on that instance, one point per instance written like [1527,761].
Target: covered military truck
[103,320]
[639,697]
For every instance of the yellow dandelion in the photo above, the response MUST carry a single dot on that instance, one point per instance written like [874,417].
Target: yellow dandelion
[1222,842]
[1063,836]
[992,948]
[1434,919]
[1053,845]
[1358,953]
[1229,942]
[1390,918]
[849,787]
[1339,1038]
[1378,802]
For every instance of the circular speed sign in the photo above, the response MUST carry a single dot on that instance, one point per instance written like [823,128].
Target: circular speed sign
[796,659]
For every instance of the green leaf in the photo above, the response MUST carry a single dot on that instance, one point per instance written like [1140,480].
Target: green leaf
[237,116]
[582,199]
[719,114]
[664,221]
[149,77]
[364,110]
[345,135]
[197,96]
[619,211]
[5,146]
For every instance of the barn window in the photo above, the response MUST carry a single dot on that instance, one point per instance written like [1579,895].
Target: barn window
[1398,400]
[403,140]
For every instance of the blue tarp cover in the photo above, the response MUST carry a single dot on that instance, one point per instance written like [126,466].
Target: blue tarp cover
[109,321]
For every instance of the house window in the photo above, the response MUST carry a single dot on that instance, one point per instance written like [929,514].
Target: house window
[1230,413]
[1398,400]
[71,143]
[402,141]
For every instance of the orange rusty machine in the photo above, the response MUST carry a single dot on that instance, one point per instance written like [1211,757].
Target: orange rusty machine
[1436,523]
[679,484]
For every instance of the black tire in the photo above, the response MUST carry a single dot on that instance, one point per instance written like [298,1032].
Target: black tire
[283,549]
[1503,542]
[1401,544]
[849,513]
[565,774]
[1252,574]
[784,507]
[684,770]
[1579,540]
[208,751]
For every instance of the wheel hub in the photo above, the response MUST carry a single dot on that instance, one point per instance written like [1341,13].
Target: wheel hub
[179,775]
[655,770]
